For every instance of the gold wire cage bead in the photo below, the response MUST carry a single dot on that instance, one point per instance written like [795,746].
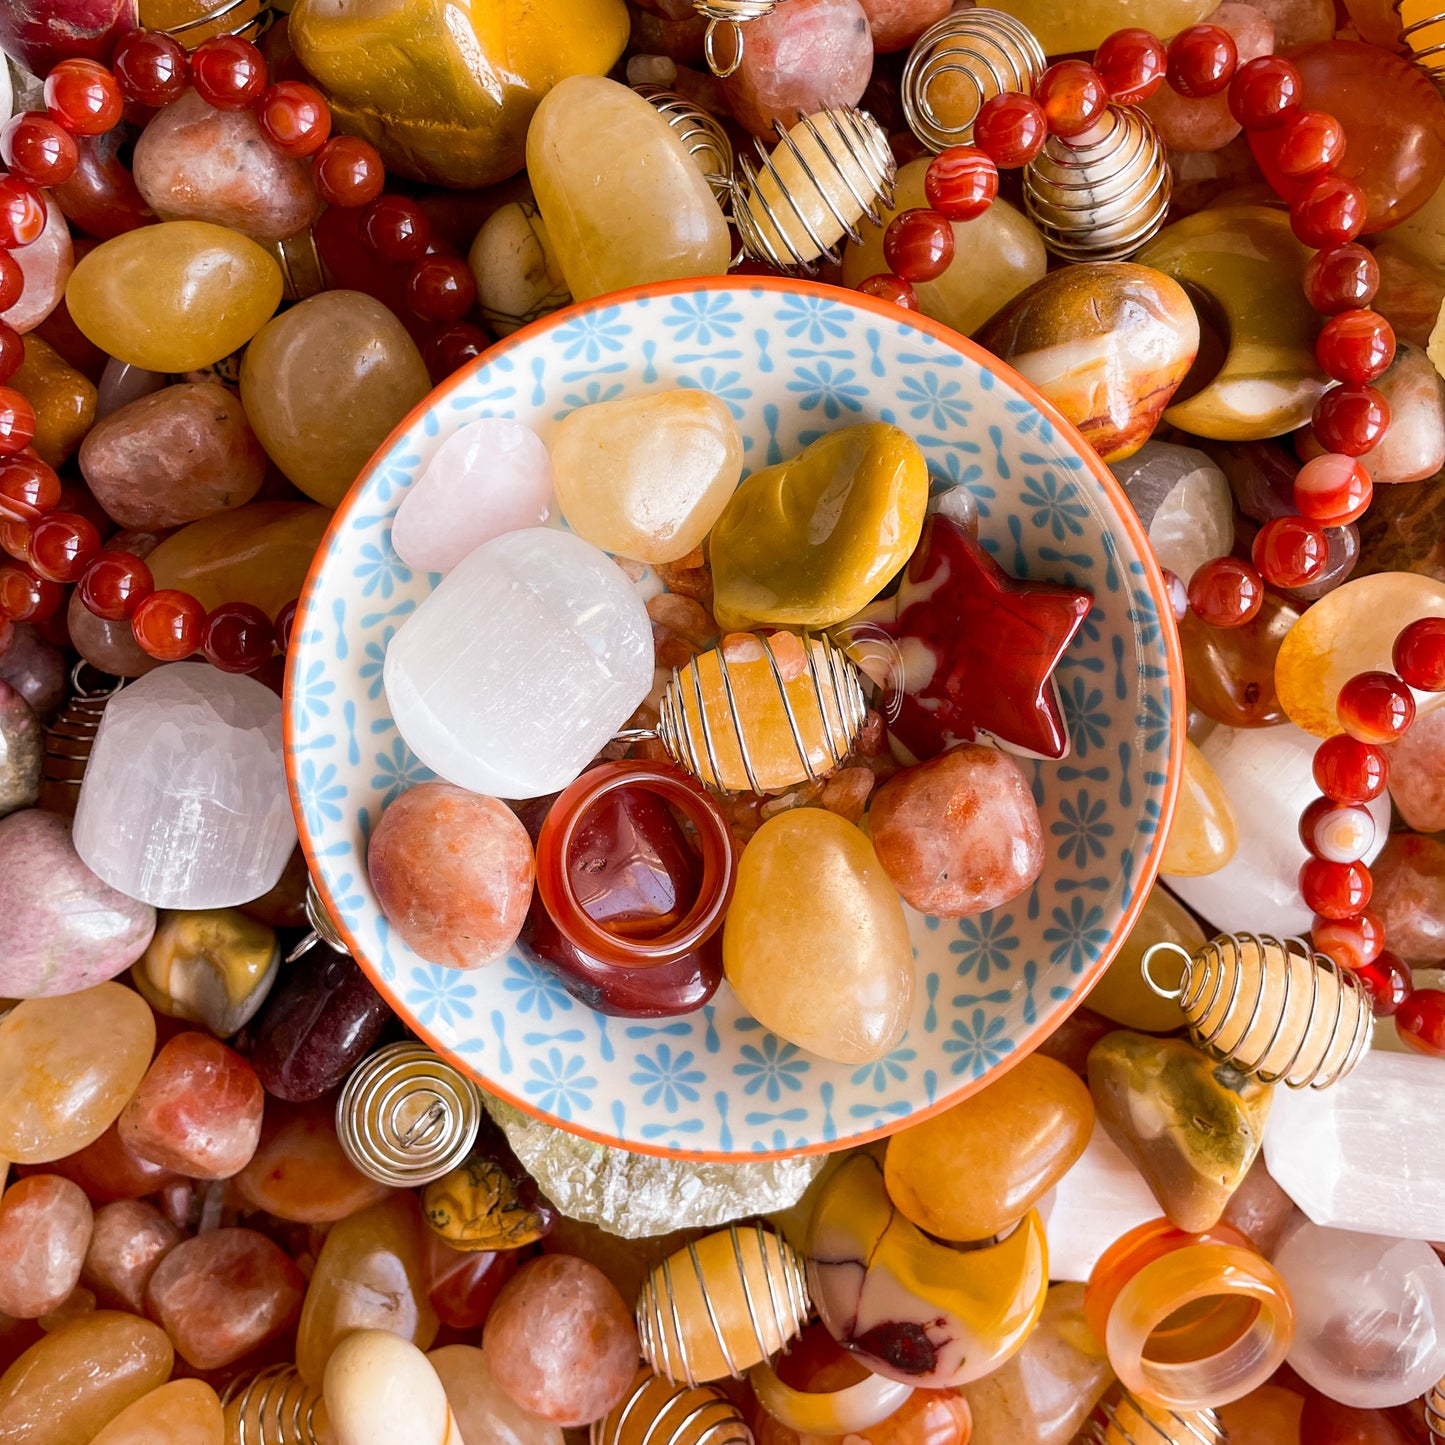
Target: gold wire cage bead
[1271,1007]
[274,1407]
[1102,195]
[1422,29]
[655,1411]
[826,175]
[1126,1420]
[959,62]
[722,1304]
[406,1116]
[701,134]
[727,17]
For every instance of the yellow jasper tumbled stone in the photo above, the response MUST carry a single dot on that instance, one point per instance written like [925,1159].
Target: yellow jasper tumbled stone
[1204,834]
[64,400]
[174,297]
[647,476]
[623,200]
[813,540]
[815,945]
[1121,994]
[973,1170]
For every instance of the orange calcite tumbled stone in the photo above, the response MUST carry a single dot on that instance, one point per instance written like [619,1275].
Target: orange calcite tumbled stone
[185,1412]
[67,1387]
[1229,671]
[1204,834]
[63,399]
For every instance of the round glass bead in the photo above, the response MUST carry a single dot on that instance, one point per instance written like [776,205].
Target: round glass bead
[1341,278]
[348,172]
[1010,129]
[26,596]
[1419,654]
[1202,61]
[38,149]
[115,584]
[1387,981]
[228,72]
[1333,489]
[960,183]
[1375,707]
[17,421]
[1356,346]
[12,350]
[918,245]
[1132,63]
[22,213]
[1420,1021]
[1290,551]
[1353,941]
[12,280]
[1073,96]
[1350,420]
[84,97]
[1265,92]
[151,67]
[29,482]
[441,288]
[237,637]
[1350,771]
[1336,890]
[887,287]
[1337,832]
[1310,143]
[168,624]
[394,230]
[1226,592]
[1328,212]
[62,545]
[294,117]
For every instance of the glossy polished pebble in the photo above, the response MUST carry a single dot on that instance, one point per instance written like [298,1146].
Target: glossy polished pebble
[1107,342]
[1183,500]
[196,163]
[299,1170]
[184,1412]
[129,1240]
[213,966]
[111,646]
[815,944]
[198,1109]
[515,268]
[995,256]
[380,1387]
[1081,27]
[1121,994]
[108,1171]
[20,752]
[175,297]
[223,1294]
[1417,773]
[61,928]
[958,834]
[45,1228]
[47,265]
[1204,834]
[66,1388]
[369,1276]
[67,1067]
[647,476]
[976,1168]
[63,398]
[1409,896]
[1229,671]
[1414,443]
[173,456]
[37,669]
[485,1414]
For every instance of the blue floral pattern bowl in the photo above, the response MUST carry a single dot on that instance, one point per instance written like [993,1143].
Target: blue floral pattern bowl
[792,360]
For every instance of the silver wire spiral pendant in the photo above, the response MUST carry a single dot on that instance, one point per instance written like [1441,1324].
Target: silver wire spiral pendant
[69,739]
[226,19]
[655,1411]
[727,17]
[826,174]
[406,1116]
[1102,195]
[1425,37]
[1435,1413]
[1122,1419]
[274,1407]
[323,927]
[958,63]
[701,134]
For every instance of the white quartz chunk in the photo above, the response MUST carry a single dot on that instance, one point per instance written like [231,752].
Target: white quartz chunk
[184,803]
[1184,502]
[526,659]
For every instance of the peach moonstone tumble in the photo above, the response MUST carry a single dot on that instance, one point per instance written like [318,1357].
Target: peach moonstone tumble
[198,1109]
[960,833]
[560,1340]
[67,1067]
[453,873]
[647,476]
[184,1412]
[45,1225]
[128,1241]
[380,1387]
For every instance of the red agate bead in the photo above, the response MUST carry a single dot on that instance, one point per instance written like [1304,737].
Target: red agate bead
[1309,143]
[918,245]
[17,421]
[38,149]
[1336,890]
[115,584]
[1226,592]
[1350,771]
[12,280]
[348,172]
[1328,212]
[1375,707]
[1387,981]
[1420,1021]
[237,637]
[960,183]
[22,213]
[1265,92]
[1419,654]
[1341,278]
[1337,832]
[1010,129]
[1073,96]
[1202,60]
[25,596]
[1333,489]
[1350,420]
[887,287]
[294,117]
[28,484]
[62,545]
[441,288]
[1353,941]
[1132,63]
[228,72]
[1356,346]
[84,97]
[152,67]
[168,624]
[395,230]
[1290,551]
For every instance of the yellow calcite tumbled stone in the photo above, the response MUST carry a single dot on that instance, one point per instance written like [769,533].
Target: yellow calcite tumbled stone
[647,476]
[1121,994]
[623,201]
[813,540]
[445,88]
[1204,834]
[184,1412]
[63,398]
[1350,630]
[815,945]
[174,297]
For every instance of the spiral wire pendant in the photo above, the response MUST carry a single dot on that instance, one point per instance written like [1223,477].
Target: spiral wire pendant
[274,1407]
[70,738]
[958,63]
[1423,31]
[728,17]
[1435,1413]
[701,134]
[1126,1420]
[234,17]
[657,1411]
[323,927]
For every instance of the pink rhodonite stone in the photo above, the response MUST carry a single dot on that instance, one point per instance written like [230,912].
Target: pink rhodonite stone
[130,1239]
[1409,896]
[560,1340]
[960,833]
[45,1224]
[223,1294]
[198,1109]
[1417,773]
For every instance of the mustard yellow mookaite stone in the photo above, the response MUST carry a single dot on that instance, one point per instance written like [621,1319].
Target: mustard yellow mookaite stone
[813,540]
[1204,834]
[64,400]
[623,201]
[815,945]
[174,297]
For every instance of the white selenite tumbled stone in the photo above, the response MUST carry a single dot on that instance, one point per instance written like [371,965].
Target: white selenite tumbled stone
[1365,1153]
[534,650]
[184,802]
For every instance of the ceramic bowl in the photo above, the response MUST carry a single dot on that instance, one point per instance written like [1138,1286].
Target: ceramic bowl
[792,360]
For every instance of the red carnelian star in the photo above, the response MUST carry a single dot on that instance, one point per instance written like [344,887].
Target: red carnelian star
[979,649]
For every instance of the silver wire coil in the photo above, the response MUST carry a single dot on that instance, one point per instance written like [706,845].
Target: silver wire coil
[1435,1413]
[70,738]
[1126,1420]
[249,28]
[681,1311]
[274,1407]
[323,926]
[1271,1007]
[1100,201]
[701,134]
[656,1411]
[798,202]
[974,55]
[729,16]
[1428,54]
[406,1116]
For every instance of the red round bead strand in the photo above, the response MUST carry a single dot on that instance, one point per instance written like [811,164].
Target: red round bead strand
[1337,832]
[294,117]
[348,172]
[1290,551]
[1202,61]
[1226,592]
[1010,129]
[1333,489]
[1375,707]
[1350,771]
[918,245]
[1356,346]
[1073,96]
[1387,982]
[1328,212]
[1420,1022]
[27,487]
[38,149]
[1419,654]
[228,72]
[237,637]
[17,421]
[25,596]
[115,584]
[1336,890]
[62,545]
[441,288]
[12,280]
[1310,143]
[887,287]
[84,97]
[394,230]
[1350,420]
[22,213]
[960,183]
[168,624]
[151,67]
[1354,941]
[1265,92]
[1343,278]
[1132,63]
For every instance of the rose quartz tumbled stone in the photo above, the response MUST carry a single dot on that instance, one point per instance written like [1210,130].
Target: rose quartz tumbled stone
[45,1224]
[960,833]
[453,873]
[197,1111]
[130,1239]
[560,1340]
[223,1294]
